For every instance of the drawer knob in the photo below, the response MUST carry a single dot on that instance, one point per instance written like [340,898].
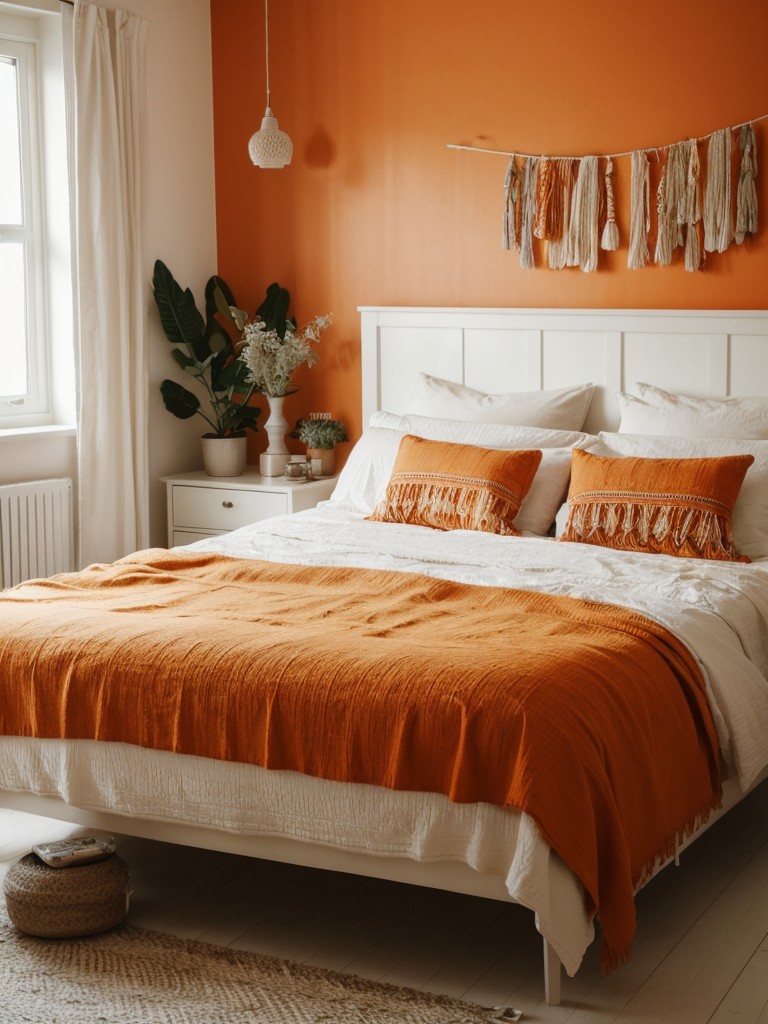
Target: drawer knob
[227,504]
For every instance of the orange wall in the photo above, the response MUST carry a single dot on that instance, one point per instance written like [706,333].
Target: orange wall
[376,210]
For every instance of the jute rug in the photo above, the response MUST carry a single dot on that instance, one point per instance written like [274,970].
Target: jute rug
[132,976]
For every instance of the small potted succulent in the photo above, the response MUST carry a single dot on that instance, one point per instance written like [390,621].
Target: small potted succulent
[320,433]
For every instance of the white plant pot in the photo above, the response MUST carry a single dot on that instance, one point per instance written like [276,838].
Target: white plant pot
[273,461]
[225,456]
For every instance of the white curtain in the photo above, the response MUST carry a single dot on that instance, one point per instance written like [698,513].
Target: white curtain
[103,56]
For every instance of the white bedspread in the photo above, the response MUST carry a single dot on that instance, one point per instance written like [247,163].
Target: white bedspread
[719,609]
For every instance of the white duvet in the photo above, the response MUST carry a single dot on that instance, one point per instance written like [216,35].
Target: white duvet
[720,610]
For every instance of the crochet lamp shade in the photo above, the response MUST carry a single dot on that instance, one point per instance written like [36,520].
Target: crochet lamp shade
[269,147]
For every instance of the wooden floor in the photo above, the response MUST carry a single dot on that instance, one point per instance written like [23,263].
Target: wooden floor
[700,954]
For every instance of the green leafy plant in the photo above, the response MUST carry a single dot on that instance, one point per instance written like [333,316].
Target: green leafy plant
[273,312]
[319,431]
[207,349]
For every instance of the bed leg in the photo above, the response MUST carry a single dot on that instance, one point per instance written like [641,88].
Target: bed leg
[551,976]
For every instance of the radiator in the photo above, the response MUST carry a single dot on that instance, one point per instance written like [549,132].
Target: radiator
[36,537]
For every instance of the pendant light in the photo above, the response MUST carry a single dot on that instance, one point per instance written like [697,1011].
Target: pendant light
[269,147]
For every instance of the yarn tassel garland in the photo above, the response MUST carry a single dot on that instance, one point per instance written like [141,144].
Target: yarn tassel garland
[663,252]
[690,209]
[545,181]
[693,260]
[718,227]
[610,238]
[550,213]
[640,217]
[559,200]
[585,208]
[557,251]
[746,193]
[670,197]
[509,237]
[528,212]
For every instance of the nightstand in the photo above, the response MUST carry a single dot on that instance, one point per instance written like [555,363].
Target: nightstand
[204,506]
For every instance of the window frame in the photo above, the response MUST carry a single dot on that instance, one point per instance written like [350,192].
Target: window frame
[26,36]
[34,401]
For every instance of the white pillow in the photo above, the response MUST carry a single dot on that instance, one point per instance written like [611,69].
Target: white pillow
[661,412]
[487,435]
[750,513]
[563,409]
[364,477]
[546,493]
[363,480]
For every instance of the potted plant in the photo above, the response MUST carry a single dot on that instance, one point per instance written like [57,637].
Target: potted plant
[320,433]
[208,349]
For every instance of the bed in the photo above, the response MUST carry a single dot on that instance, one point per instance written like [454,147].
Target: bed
[714,610]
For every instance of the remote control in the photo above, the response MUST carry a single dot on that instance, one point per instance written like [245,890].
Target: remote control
[79,850]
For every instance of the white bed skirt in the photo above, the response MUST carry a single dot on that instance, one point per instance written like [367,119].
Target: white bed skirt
[140,785]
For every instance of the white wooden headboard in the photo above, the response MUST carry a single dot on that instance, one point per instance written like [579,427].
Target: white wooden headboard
[696,352]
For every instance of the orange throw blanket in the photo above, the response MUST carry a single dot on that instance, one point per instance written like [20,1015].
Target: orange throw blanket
[589,717]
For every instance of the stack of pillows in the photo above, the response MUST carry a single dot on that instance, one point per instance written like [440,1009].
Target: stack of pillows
[683,476]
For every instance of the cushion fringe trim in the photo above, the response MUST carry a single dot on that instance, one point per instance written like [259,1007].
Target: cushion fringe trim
[456,503]
[653,526]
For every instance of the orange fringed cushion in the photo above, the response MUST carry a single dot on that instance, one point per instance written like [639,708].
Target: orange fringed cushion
[456,486]
[661,506]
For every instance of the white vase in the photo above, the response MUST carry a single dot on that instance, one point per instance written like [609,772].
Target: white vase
[224,456]
[273,461]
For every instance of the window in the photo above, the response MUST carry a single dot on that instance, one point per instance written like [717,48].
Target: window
[34,246]
[22,385]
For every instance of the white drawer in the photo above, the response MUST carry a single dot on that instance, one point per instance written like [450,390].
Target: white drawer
[221,508]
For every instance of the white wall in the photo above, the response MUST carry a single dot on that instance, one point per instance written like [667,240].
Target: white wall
[179,227]
[180,217]
[179,223]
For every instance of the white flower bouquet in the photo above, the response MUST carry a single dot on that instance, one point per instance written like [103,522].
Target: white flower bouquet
[271,347]
[271,357]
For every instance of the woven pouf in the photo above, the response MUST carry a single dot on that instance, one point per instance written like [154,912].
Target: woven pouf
[56,903]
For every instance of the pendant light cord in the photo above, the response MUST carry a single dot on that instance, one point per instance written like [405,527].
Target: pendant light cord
[266,43]
[268,147]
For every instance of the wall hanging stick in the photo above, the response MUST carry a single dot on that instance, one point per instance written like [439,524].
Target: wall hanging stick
[561,200]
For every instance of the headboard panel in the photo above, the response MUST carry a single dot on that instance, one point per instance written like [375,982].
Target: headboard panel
[696,352]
